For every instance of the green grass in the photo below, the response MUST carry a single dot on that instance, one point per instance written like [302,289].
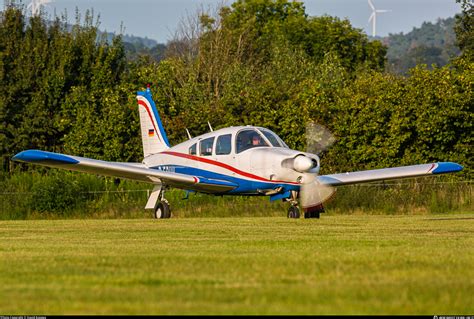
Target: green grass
[339,264]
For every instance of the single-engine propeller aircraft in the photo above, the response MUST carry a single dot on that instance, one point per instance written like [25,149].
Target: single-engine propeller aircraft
[240,160]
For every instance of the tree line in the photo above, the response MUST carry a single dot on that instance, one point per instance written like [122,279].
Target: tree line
[256,62]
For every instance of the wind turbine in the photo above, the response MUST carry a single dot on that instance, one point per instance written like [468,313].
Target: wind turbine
[35,6]
[373,16]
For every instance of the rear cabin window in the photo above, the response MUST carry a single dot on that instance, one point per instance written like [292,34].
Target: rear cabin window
[223,144]
[247,139]
[192,149]
[206,146]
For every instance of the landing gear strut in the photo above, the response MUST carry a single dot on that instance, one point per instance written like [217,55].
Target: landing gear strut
[158,203]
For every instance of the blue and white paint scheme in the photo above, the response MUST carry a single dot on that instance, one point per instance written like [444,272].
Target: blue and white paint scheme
[239,160]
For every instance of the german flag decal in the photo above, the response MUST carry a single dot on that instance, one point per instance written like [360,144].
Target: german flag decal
[151,132]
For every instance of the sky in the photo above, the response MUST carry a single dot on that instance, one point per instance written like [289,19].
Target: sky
[158,19]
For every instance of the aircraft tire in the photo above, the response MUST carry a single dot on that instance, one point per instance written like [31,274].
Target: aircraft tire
[293,212]
[163,210]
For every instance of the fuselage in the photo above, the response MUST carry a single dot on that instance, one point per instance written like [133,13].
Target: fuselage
[247,156]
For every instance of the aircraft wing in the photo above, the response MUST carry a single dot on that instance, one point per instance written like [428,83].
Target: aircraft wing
[389,173]
[133,171]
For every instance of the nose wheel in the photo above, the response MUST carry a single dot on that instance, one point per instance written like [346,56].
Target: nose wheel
[293,212]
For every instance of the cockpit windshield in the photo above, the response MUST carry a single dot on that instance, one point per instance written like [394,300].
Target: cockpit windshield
[273,138]
[249,138]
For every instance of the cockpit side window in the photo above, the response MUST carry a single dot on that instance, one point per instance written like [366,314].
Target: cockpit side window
[247,139]
[192,149]
[206,146]
[223,144]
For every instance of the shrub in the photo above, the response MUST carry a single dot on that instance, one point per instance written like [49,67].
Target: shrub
[55,194]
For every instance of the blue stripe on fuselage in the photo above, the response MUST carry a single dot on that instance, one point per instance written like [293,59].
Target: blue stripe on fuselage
[245,186]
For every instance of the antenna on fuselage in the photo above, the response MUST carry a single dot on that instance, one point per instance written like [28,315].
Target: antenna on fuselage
[210,127]
[189,134]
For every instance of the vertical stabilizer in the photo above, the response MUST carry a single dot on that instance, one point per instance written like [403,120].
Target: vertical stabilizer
[154,138]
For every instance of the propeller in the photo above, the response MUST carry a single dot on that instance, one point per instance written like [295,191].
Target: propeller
[313,192]
[318,138]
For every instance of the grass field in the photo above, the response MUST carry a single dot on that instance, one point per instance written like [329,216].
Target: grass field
[356,264]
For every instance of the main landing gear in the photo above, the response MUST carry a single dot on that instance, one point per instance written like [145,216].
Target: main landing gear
[163,210]
[314,212]
[157,202]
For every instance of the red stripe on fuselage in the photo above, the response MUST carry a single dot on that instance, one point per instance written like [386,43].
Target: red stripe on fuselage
[226,166]
[142,103]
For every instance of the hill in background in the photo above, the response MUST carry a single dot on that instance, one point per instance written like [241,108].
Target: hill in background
[432,43]
[136,46]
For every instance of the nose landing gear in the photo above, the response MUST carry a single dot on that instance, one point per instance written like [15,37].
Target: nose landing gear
[309,212]
[293,212]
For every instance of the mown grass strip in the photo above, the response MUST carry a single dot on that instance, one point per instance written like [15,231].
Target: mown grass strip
[336,265]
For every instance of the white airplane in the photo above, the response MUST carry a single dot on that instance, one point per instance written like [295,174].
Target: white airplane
[240,160]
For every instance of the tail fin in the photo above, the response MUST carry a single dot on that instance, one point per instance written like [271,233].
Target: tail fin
[153,135]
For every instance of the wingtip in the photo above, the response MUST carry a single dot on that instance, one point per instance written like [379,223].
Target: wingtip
[447,167]
[20,157]
[37,156]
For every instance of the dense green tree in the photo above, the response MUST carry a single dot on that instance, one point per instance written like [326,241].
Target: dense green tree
[386,120]
[465,28]
[266,23]
[11,34]
[247,64]
[59,83]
